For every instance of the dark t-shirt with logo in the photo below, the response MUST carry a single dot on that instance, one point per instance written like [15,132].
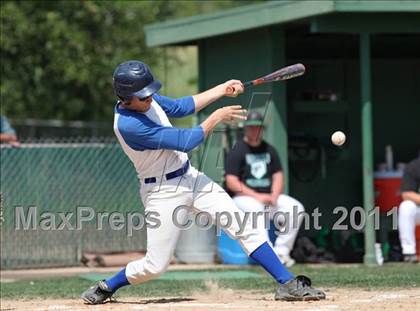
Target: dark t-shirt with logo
[253,165]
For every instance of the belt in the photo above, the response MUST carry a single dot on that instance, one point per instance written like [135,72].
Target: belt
[179,172]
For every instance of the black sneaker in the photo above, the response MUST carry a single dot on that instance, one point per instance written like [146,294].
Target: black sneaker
[97,294]
[298,289]
[411,258]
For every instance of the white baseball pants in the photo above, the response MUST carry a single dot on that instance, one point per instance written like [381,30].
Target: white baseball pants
[289,218]
[197,192]
[408,218]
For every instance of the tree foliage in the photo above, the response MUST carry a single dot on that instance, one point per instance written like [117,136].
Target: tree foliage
[58,56]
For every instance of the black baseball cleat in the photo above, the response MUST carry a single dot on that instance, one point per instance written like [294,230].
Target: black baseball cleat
[298,289]
[410,258]
[97,294]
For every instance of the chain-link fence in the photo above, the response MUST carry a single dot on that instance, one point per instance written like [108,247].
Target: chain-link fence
[47,186]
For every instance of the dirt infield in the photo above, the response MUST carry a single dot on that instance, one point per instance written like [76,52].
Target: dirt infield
[227,299]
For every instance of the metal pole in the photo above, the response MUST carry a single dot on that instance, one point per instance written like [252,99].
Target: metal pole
[367,148]
[277,134]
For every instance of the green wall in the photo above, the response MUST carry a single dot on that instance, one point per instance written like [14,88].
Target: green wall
[396,109]
[324,175]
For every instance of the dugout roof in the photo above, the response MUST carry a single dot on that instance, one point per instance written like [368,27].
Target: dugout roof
[322,15]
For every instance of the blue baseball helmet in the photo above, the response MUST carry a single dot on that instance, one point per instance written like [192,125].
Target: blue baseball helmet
[134,78]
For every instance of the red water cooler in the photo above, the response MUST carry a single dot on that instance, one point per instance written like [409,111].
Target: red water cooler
[387,190]
[418,240]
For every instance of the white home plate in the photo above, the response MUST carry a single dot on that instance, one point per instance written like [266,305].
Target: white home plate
[380,297]
[389,296]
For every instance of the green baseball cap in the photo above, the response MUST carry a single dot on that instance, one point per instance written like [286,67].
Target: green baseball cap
[254,118]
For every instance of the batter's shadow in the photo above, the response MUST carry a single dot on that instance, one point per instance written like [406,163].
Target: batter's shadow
[151,301]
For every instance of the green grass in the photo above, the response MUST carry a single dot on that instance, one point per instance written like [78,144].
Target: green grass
[335,276]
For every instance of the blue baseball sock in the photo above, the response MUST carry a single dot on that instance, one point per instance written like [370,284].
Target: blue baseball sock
[266,257]
[117,281]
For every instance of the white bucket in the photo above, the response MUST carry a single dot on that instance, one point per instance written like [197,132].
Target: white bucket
[196,245]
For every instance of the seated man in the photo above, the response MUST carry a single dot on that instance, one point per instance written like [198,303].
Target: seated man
[254,176]
[409,211]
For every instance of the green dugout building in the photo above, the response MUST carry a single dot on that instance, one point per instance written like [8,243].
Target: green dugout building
[363,77]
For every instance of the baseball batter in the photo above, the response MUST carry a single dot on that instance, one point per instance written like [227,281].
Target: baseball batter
[158,152]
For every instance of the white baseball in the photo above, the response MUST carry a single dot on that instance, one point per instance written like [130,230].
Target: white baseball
[338,138]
